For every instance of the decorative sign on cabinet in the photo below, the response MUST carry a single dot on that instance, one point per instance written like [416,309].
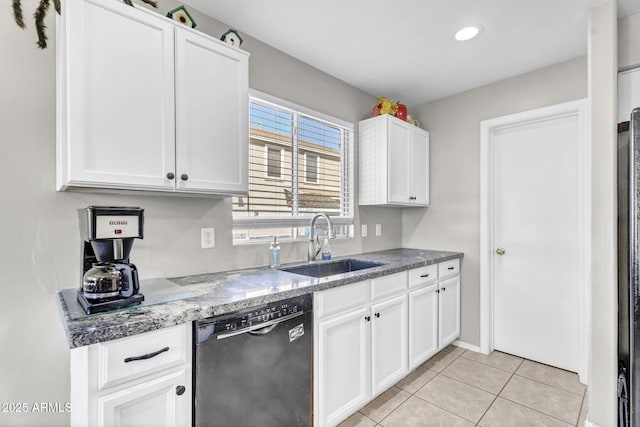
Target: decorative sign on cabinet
[145,103]
[394,163]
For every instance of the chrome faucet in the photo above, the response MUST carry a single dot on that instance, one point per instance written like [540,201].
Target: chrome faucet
[314,240]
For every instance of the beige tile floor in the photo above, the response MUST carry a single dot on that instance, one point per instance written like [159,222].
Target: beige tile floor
[458,387]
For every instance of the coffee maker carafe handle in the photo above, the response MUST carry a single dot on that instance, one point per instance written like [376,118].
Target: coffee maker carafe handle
[130,285]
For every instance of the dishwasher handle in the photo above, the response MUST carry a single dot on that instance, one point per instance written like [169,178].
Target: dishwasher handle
[262,328]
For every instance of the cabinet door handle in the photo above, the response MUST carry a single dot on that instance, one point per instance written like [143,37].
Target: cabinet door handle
[170,175]
[367,318]
[425,275]
[180,390]
[437,291]
[145,356]
[184,177]
[444,289]
[378,315]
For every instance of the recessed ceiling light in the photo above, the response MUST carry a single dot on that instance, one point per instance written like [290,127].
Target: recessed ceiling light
[467,33]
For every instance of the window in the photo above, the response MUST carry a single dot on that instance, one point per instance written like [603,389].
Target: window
[300,163]
[311,168]
[274,162]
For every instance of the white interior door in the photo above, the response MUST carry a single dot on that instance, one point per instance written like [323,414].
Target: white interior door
[536,221]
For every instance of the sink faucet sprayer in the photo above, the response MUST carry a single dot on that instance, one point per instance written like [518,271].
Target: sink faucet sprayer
[314,240]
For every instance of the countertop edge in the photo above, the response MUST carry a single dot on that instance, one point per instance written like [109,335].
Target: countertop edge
[137,320]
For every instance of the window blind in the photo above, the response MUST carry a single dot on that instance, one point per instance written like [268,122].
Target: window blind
[300,163]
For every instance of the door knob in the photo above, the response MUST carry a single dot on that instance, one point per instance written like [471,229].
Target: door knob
[500,251]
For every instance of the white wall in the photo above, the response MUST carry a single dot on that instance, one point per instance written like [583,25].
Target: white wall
[452,222]
[629,42]
[40,249]
[603,351]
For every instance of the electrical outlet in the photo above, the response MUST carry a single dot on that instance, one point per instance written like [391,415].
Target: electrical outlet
[378,229]
[364,230]
[208,238]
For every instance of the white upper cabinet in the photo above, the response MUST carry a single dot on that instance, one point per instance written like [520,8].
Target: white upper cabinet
[145,104]
[394,163]
[212,115]
[115,97]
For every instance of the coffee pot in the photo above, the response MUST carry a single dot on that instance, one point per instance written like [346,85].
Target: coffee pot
[109,280]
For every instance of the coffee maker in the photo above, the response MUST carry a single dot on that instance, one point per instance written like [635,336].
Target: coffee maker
[109,280]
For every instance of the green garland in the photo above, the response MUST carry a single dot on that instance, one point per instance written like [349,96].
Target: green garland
[41,13]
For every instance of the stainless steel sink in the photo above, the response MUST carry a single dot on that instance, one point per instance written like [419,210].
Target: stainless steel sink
[330,268]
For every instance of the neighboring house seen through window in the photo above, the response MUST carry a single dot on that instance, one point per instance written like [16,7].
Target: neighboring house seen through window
[300,163]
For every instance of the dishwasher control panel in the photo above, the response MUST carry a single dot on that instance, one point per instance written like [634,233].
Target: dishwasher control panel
[257,316]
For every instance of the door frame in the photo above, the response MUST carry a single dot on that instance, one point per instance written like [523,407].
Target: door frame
[487,129]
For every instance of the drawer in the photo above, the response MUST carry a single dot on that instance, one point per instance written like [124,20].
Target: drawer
[338,300]
[388,285]
[118,360]
[449,268]
[422,275]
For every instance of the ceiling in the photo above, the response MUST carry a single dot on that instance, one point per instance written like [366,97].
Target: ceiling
[405,50]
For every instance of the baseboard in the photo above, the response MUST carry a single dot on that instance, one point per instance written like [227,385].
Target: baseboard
[466,346]
[588,423]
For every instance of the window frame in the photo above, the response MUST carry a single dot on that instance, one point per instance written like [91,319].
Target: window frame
[346,217]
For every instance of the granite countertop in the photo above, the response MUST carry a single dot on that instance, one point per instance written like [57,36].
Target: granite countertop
[206,295]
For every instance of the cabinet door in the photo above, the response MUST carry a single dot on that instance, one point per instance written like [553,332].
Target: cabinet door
[212,115]
[115,97]
[398,162]
[449,311]
[389,344]
[420,167]
[343,366]
[153,403]
[423,325]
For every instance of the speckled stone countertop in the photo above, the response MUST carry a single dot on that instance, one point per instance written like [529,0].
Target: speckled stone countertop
[220,293]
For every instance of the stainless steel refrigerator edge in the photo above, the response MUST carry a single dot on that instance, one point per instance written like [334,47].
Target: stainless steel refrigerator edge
[629,272]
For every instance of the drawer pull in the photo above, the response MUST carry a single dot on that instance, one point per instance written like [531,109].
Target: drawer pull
[367,318]
[145,356]
[425,275]
[180,390]
[450,268]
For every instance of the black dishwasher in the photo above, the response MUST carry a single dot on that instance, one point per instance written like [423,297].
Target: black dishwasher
[254,368]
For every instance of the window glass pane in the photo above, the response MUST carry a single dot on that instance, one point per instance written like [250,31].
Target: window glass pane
[311,165]
[274,162]
[298,166]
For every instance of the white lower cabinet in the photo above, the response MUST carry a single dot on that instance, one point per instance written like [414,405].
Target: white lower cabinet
[370,334]
[423,325]
[142,380]
[342,356]
[153,403]
[360,351]
[389,343]
[448,311]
